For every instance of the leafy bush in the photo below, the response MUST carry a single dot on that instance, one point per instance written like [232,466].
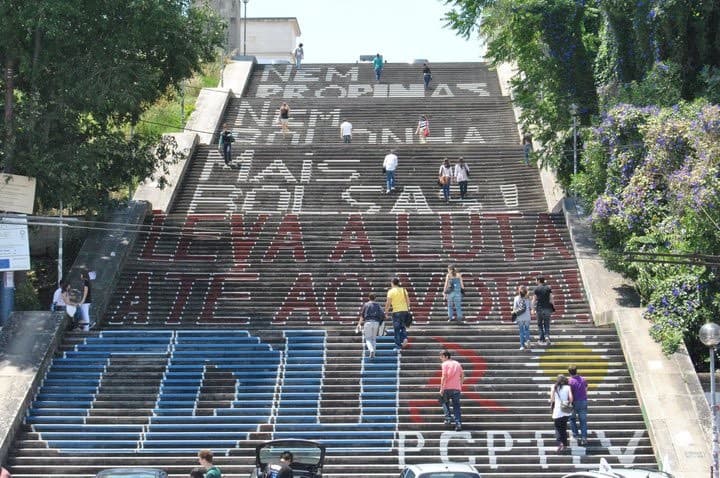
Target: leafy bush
[661,86]
[661,196]
[710,77]
[26,297]
[676,310]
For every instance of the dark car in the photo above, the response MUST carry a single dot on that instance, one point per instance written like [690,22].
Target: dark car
[132,473]
[308,457]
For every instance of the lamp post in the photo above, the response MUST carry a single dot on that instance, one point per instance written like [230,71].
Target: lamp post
[710,336]
[60,247]
[245,29]
[574,113]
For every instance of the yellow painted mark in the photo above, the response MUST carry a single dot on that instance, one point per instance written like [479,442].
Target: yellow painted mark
[577,353]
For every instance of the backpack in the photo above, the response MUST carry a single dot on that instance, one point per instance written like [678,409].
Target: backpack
[375,312]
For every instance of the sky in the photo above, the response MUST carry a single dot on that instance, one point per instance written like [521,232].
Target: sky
[400,30]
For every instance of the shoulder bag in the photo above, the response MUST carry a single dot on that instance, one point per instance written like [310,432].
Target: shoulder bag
[409,317]
[566,406]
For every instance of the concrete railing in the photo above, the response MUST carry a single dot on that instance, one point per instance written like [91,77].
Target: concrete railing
[554,193]
[162,198]
[105,253]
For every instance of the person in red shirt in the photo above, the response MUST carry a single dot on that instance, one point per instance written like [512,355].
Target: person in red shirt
[451,388]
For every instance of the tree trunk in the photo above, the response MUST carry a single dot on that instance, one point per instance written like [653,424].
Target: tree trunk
[36,55]
[9,127]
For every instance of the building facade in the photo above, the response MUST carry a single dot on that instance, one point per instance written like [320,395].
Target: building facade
[267,39]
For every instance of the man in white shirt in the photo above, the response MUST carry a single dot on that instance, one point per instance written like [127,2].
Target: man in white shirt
[389,166]
[462,173]
[57,302]
[346,131]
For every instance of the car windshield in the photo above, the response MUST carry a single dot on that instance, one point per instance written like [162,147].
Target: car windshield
[306,455]
[448,474]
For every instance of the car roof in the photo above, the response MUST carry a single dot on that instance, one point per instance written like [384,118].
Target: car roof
[131,471]
[436,467]
[619,473]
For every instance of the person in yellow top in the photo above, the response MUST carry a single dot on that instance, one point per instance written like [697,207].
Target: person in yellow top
[398,301]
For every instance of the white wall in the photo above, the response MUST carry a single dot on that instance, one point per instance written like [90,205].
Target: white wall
[272,39]
[267,38]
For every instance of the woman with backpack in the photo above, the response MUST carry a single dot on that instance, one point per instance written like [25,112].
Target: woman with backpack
[452,292]
[521,315]
[370,322]
[561,399]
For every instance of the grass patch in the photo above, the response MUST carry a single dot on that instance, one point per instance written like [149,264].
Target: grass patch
[165,116]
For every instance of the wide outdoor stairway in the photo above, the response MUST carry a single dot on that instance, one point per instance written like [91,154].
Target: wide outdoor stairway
[233,320]
[154,397]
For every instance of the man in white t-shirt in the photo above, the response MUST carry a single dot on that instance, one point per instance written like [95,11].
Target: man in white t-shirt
[462,173]
[346,131]
[389,166]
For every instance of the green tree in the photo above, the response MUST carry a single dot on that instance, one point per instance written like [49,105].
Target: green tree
[636,35]
[553,44]
[77,73]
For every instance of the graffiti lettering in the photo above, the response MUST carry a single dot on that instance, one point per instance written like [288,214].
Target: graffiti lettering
[500,446]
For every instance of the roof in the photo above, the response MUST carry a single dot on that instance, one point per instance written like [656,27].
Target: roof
[292,20]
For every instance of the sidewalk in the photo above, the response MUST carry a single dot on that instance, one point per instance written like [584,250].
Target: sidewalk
[674,406]
[27,344]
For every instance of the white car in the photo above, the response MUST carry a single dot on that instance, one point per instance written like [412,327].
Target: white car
[606,471]
[440,470]
[620,473]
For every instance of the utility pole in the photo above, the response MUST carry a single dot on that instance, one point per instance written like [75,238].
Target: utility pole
[245,29]
[60,246]
[7,285]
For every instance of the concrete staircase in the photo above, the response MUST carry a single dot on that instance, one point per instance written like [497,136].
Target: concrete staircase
[233,320]
[315,383]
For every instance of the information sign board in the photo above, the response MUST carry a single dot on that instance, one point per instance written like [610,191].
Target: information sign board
[14,244]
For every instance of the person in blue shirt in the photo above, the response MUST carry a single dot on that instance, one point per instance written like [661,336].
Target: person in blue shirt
[371,319]
[378,66]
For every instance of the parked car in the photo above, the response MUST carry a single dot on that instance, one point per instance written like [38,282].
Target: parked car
[308,457]
[440,470]
[132,473]
[606,471]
